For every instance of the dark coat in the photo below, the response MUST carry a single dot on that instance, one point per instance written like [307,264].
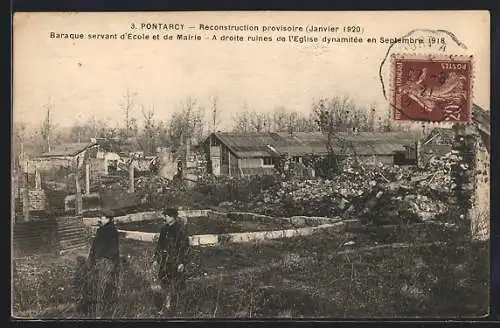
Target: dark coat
[106,244]
[172,247]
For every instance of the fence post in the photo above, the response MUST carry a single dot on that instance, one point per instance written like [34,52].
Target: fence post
[87,178]
[131,177]
[78,194]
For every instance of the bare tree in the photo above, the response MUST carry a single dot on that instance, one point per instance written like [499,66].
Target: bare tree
[242,122]
[386,123]
[128,108]
[339,114]
[187,124]
[260,121]
[334,115]
[291,121]
[252,121]
[279,120]
[148,139]
[92,128]
[47,128]
[215,113]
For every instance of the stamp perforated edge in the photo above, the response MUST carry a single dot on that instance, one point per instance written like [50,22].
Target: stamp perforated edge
[430,57]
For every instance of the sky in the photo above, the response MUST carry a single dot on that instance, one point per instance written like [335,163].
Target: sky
[81,79]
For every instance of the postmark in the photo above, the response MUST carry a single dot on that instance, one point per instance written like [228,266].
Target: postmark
[431,88]
[434,44]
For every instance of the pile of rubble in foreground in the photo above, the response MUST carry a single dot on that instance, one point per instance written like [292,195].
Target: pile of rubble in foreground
[380,193]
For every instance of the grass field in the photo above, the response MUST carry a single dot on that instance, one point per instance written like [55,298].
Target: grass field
[351,273]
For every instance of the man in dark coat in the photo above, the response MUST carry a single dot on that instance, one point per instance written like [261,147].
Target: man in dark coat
[104,260]
[170,258]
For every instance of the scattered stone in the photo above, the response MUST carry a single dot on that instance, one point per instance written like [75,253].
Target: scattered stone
[381,192]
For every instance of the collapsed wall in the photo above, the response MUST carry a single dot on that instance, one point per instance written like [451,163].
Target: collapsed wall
[480,214]
[471,181]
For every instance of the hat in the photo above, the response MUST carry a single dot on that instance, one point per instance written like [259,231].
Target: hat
[171,211]
[108,213]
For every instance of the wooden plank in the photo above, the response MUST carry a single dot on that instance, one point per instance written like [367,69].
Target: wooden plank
[70,235]
[65,250]
[69,220]
[70,228]
[72,241]
[75,244]
[75,234]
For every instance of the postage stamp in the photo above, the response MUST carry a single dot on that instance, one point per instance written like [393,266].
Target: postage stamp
[432,88]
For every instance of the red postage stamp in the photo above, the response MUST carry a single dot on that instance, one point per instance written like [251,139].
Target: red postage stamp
[432,88]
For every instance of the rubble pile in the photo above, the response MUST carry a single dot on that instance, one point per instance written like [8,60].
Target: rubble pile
[240,189]
[117,183]
[147,188]
[381,193]
[386,194]
[440,167]
[143,184]
[152,184]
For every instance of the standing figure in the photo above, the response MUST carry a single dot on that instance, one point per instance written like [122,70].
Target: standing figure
[170,257]
[104,260]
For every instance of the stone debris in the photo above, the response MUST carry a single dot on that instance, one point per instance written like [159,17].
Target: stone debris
[381,193]
[385,194]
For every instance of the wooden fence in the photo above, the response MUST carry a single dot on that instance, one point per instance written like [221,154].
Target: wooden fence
[49,235]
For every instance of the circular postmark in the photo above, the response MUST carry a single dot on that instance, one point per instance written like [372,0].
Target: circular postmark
[426,76]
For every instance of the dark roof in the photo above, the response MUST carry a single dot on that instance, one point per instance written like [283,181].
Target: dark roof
[109,144]
[266,144]
[249,144]
[70,149]
[302,143]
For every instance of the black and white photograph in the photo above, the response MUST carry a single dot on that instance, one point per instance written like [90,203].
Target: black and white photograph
[250,165]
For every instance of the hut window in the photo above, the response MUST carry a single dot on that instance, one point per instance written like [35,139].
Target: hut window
[268,161]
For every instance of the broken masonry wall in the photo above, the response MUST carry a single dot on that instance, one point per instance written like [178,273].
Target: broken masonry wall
[463,173]
[480,218]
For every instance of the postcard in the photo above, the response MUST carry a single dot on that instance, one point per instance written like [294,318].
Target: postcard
[290,165]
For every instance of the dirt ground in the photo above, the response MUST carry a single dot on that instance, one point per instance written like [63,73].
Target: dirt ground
[324,275]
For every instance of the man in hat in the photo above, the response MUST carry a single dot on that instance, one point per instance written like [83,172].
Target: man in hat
[170,257]
[104,260]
